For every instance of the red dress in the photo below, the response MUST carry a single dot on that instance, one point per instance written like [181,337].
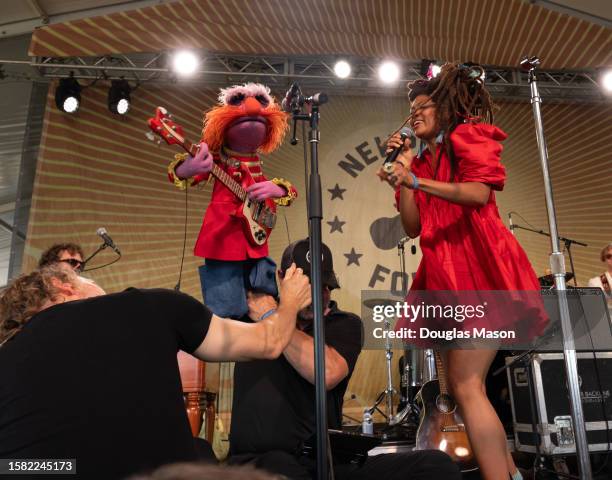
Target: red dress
[469,248]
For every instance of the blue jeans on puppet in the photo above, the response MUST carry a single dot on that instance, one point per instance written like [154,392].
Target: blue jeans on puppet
[225,284]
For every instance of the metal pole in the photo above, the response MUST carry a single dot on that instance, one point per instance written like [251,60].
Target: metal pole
[557,265]
[315,217]
[390,390]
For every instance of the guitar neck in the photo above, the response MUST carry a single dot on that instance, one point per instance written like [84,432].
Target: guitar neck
[218,172]
[441,373]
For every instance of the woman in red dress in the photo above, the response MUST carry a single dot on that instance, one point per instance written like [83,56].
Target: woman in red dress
[446,196]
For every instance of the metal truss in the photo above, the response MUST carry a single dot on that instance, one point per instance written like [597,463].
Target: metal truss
[313,73]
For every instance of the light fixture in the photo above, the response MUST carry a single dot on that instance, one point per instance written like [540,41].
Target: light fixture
[434,70]
[119,97]
[606,81]
[389,72]
[342,69]
[68,94]
[185,63]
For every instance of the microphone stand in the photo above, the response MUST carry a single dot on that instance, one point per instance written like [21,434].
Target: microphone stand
[100,248]
[557,265]
[315,217]
[566,241]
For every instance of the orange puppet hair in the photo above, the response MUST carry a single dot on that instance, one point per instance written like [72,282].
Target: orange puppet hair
[218,118]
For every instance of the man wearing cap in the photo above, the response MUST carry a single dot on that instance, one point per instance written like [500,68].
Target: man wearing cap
[273,411]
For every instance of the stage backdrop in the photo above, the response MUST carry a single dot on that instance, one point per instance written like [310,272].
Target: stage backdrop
[96,169]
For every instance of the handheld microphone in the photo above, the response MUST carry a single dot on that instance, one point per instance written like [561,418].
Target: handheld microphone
[103,234]
[286,104]
[404,134]
[510,223]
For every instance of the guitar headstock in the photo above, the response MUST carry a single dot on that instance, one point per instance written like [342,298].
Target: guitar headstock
[163,125]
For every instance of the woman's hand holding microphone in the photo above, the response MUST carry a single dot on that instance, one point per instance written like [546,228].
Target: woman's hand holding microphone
[397,173]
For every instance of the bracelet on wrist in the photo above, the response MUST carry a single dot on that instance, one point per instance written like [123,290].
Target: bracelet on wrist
[267,314]
[415,181]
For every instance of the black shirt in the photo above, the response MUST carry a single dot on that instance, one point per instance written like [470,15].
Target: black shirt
[98,380]
[274,406]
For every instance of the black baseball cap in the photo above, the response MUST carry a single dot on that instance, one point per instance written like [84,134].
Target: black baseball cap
[299,253]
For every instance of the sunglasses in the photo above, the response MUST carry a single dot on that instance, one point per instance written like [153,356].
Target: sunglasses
[77,265]
[418,108]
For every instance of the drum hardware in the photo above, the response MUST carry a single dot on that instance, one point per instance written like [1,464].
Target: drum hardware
[415,365]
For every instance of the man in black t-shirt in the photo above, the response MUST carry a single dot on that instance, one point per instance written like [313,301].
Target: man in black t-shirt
[95,378]
[273,411]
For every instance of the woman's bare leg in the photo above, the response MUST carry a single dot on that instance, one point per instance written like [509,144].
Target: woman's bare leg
[466,371]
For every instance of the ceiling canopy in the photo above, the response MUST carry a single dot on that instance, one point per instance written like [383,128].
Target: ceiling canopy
[491,32]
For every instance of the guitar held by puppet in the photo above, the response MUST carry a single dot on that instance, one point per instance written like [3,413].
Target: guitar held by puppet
[258,217]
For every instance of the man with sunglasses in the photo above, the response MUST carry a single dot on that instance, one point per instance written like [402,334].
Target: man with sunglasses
[67,253]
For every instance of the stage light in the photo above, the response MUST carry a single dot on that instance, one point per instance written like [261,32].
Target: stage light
[342,69]
[185,63]
[119,97]
[389,72]
[606,81]
[68,95]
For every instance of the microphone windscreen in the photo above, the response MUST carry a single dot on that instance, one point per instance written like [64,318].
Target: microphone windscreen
[407,132]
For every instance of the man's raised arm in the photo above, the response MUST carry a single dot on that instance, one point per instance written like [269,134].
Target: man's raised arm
[231,340]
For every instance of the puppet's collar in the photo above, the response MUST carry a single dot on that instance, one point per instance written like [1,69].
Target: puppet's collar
[232,153]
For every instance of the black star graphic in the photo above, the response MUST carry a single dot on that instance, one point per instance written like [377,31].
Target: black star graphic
[337,192]
[353,257]
[336,225]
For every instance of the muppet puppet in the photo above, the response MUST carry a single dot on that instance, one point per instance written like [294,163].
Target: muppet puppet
[247,121]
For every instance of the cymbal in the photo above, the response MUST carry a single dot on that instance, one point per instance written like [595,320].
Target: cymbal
[372,302]
[547,280]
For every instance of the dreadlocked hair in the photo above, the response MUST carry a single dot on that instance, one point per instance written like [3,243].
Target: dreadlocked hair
[460,97]
[26,295]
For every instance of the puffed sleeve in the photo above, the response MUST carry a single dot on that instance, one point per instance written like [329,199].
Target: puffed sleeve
[478,151]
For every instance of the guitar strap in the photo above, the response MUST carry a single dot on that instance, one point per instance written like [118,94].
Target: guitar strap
[605,284]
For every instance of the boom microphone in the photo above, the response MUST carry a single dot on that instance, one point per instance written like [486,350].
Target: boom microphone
[402,241]
[286,104]
[108,241]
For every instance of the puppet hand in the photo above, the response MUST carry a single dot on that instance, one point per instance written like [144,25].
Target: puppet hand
[263,190]
[201,163]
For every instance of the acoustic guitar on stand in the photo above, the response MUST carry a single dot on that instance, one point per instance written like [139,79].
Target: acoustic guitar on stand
[258,217]
[441,426]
